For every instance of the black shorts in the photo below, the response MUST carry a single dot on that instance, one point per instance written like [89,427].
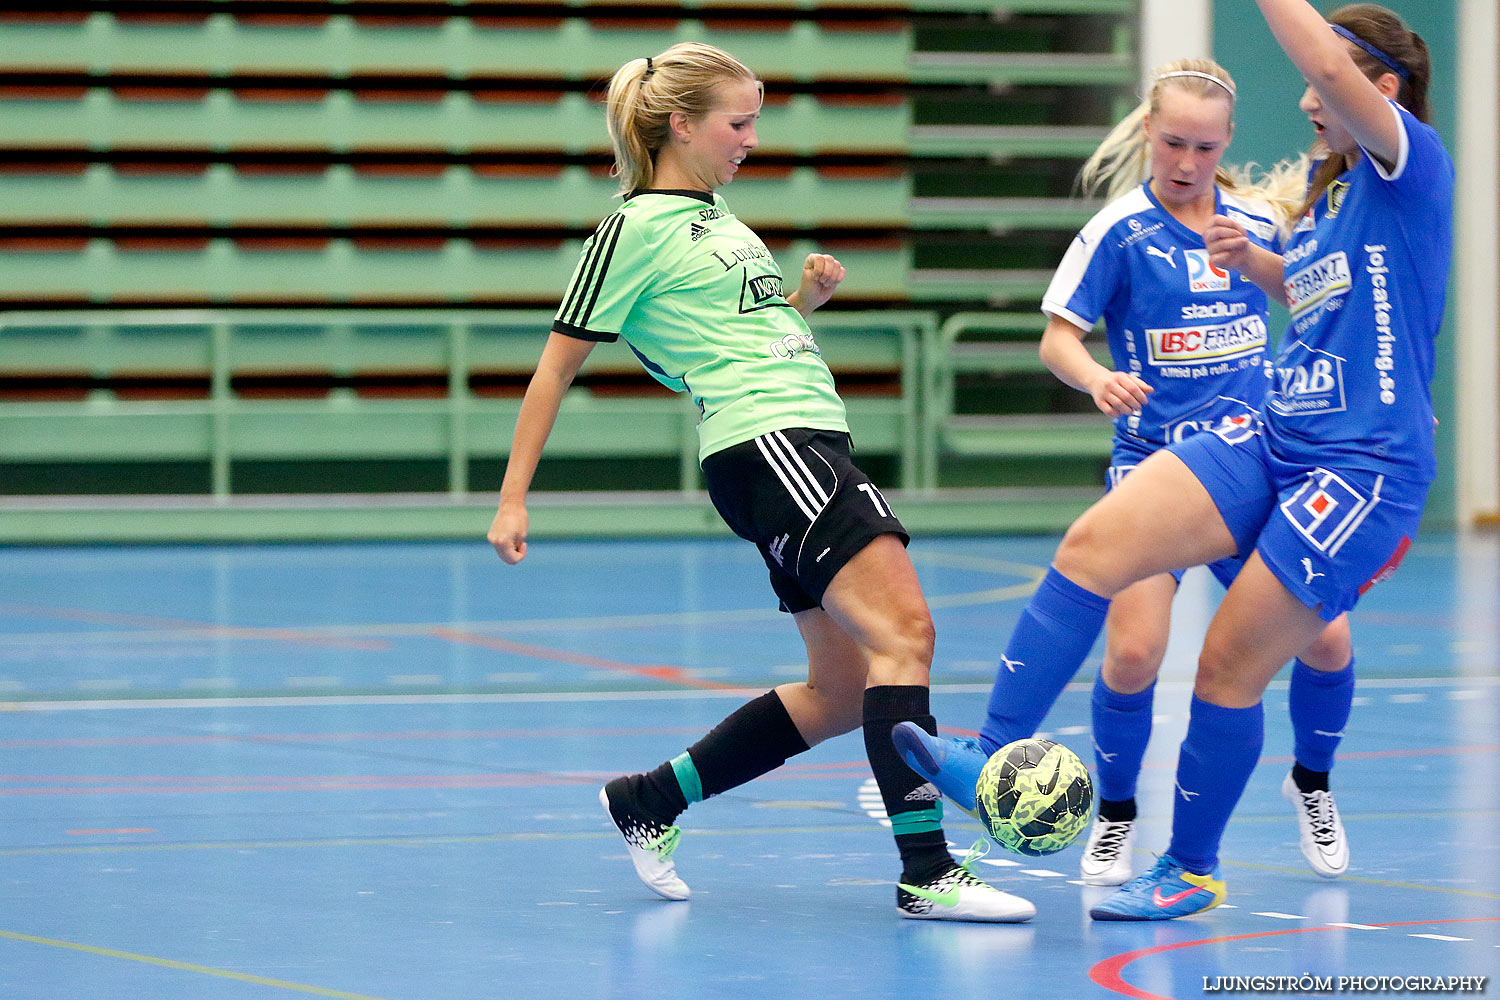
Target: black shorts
[797,495]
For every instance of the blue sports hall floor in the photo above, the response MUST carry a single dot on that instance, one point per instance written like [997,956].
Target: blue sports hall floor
[369,771]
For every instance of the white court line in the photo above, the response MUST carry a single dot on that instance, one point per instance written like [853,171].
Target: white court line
[1439,937]
[1278,916]
[277,701]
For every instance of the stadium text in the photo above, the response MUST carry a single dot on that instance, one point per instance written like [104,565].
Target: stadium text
[1344,984]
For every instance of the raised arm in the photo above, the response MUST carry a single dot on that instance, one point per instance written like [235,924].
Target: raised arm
[1062,350]
[560,361]
[1325,63]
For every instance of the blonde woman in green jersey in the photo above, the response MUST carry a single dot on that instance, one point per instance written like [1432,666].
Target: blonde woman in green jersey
[700,300]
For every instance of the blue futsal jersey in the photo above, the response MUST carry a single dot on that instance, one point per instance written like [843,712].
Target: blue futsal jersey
[1195,333]
[1366,275]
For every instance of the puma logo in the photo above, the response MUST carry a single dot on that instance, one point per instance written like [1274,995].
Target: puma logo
[1165,255]
[1311,573]
[1010,664]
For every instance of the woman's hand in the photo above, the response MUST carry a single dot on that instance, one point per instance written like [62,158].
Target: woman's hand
[1228,244]
[821,275]
[1119,393]
[508,531]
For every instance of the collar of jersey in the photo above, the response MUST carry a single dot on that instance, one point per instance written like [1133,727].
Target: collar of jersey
[703,196]
[1183,232]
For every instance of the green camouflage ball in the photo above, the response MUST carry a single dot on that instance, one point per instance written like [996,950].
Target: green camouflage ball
[1034,797]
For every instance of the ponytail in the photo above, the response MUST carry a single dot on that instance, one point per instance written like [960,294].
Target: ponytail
[643,95]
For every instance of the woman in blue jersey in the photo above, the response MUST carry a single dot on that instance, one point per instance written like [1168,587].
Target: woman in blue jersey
[1323,495]
[699,299]
[1188,344]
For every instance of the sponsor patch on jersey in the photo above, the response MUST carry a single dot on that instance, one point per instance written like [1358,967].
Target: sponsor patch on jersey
[1233,420]
[760,291]
[793,344]
[1307,383]
[1318,282]
[1260,227]
[1202,275]
[1187,345]
[1337,192]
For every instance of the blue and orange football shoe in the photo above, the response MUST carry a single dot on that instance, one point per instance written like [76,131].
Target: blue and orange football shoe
[1168,890]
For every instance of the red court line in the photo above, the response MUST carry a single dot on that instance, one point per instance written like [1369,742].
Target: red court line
[1108,972]
[197,629]
[672,675]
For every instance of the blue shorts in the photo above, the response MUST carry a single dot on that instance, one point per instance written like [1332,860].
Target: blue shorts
[1124,457]
[1327,534]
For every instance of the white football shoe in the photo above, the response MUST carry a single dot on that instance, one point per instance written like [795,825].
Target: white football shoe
[957,894]
[651,845]
[1321,832]
[1106,856]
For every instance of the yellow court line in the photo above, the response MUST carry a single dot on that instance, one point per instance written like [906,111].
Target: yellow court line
[1346,877]
[168,963]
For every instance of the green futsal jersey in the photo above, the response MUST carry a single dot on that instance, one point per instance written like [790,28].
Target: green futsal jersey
[698,298]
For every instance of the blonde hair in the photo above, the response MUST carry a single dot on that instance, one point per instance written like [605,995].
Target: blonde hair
[1123,160]
[644,93]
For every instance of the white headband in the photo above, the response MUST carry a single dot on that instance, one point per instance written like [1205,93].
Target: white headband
[1194,72]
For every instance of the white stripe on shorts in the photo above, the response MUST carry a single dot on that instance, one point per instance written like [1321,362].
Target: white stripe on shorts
[798,491]
[818,493]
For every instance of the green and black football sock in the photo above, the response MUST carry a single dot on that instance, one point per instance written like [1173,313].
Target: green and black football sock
[754,739]
[914,806]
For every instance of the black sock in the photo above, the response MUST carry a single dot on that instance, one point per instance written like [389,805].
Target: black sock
[914,808]
[755,738]
[1309,781]
[1117,810]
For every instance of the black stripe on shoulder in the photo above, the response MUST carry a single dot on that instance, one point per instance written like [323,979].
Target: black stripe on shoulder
[590,280]
[609,252]
[579,333]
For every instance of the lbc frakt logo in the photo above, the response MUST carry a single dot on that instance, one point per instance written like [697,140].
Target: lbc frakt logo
[1202,275]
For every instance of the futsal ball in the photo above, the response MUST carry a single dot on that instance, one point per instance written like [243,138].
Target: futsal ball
[1034,797]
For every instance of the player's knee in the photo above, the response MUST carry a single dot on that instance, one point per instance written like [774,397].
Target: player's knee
[1217,679]
[1131,664]
[1332,650]
[919,634]
[1082,557]
[902,653]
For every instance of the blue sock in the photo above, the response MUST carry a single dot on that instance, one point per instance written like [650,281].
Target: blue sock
[1213,766]
[1320,707]
[1122,728]
[1055,633]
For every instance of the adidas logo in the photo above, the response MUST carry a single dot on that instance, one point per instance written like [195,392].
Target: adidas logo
[926,793]
[697,232]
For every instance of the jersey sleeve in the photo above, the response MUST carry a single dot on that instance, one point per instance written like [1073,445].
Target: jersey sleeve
[613,272]
[1087,279]
[1422,165]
